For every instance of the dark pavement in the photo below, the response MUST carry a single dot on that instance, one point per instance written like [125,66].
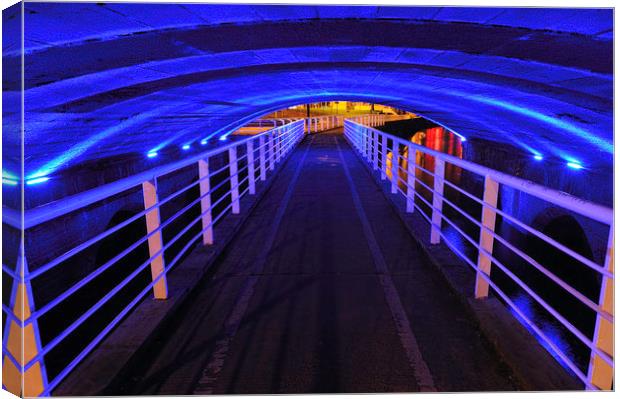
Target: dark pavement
[323,290]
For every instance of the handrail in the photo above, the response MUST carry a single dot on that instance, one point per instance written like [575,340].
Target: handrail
[270,149]
[326,122]
[583,207]
[52,210]
[372,146]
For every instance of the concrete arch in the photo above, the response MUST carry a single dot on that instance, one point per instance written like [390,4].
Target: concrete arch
[566,229]
[100,83]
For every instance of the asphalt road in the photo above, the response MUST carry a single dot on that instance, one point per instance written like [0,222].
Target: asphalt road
[323,291]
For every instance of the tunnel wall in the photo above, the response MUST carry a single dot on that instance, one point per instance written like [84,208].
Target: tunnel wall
[591,185]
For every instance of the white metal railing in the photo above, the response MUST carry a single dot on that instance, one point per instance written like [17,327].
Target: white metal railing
[375,147]
[322,123]
[327,122]
[272,122]
[262,152]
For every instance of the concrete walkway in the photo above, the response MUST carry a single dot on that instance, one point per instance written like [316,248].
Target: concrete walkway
[323,290]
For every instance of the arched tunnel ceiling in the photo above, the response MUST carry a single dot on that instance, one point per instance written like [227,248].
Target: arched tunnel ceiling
[103,80]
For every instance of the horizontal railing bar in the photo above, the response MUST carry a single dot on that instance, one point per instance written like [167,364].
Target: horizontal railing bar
[519,282]
[216,172]
[115,290]
[118,318]
[586,208]
[571,290]
[10,272]
[524,286]
[10,314]
[110,294]
[79,248]
[80,284]
[518,311]
[227,194]
[108,264]
[586,301]
[52,210]
[15,362]
[284,150]
[128,221]
[577,256]
[487,278]
[48,266]
[112,261]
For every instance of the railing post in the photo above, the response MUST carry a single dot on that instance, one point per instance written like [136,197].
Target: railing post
[22,340]
[360,139]
[383,156]
[375,150]
[234,179]
[411,152]
[261,156]
[272,138]
[491,191]
[278,145]
[205,201]
[600,373]
[251,171]
[394,166]
[153,221]
[437,201]
[370,134]
[281,144]
[365,142]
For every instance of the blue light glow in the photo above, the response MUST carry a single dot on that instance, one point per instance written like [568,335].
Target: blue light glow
[186,147]
[574,165]
[223,138]
[9,182]
[203,142]
[151,154]
[553,334]
[9,178]
[37,180]
[538,157]
[560,124]
[92,141]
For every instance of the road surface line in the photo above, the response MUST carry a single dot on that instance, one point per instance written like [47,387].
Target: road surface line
[421,371]
[208,379]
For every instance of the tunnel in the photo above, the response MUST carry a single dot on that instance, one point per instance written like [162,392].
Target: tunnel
[98,95]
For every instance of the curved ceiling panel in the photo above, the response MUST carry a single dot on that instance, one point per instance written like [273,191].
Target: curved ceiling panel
[103,80]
